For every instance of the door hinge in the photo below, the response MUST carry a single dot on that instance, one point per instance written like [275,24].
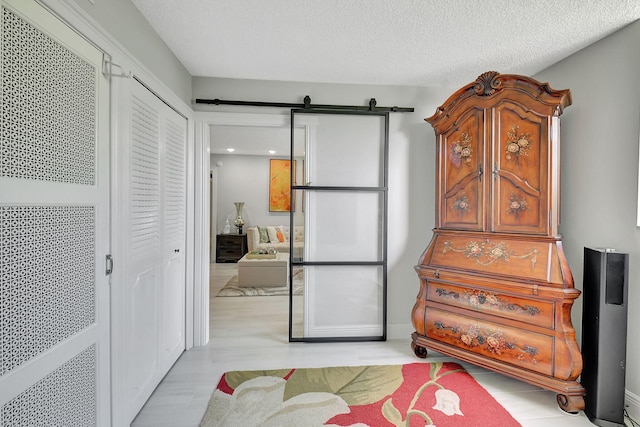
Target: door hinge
[109,265]
[108,67]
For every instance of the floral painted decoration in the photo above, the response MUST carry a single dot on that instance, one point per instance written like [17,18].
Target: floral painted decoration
[474,249]
[487,252]
[492,340]
[516,206]
[461,150]
[481,299]
[461,203]
[499,251]
[518,144]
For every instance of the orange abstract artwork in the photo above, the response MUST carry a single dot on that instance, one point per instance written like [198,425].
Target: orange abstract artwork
[280,185]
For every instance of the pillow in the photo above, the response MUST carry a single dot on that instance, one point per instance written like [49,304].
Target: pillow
[284,229]
[255,236]
[264,234]
[273,237]
[279,235]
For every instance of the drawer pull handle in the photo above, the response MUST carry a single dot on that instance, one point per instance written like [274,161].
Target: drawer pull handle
[436,274]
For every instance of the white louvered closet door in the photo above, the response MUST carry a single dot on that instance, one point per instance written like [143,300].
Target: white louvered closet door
[54,223]
[149,229]
[173,242]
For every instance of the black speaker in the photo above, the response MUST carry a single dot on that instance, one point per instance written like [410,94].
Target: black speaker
[604,334]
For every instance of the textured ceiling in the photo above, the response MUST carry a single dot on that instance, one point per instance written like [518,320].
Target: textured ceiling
[397,42]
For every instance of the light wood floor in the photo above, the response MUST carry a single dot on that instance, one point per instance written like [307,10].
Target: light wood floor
[250,333]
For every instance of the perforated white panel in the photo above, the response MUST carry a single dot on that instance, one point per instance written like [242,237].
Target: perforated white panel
[47,108]
[47,293]
[145,179]
[174,202]
[65,397]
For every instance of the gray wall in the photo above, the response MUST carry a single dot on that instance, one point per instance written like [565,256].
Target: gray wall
[600,163]
[125,23]
[244,179]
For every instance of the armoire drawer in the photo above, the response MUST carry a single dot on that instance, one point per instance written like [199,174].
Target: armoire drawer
[484,300]
[518,347]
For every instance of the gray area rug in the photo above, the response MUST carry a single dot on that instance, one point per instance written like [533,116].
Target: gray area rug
[231,289]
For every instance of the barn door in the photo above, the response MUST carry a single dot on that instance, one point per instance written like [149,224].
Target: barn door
[339,204]
[149,242]
[54,223]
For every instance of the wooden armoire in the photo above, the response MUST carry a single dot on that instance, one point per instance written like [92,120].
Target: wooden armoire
[495,286]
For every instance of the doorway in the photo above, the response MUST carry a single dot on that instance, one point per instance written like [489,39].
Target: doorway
[243,176]
[250,143]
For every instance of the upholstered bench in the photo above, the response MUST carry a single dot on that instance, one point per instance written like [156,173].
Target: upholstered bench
[263,272]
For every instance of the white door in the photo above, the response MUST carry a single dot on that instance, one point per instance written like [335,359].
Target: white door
[173,237]
[54,223]
[149,243]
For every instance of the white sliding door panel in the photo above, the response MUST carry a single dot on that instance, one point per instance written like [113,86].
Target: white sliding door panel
[54,223]
[149,239]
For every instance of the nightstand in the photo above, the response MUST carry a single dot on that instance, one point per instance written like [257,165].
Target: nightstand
[230,247]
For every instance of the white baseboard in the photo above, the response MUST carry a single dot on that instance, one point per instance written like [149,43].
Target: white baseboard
[343,331]
[394,332]
[632,403]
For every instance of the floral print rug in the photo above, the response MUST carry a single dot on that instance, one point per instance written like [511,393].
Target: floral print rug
[417,394]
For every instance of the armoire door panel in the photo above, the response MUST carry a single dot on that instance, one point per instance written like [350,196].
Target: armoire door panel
[460,206]
[520,141]
[520,170]
[461,171]
[517,208]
